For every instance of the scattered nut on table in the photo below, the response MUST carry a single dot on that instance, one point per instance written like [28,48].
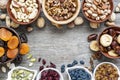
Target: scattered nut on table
[14,25]
[3,4]
[7,21]
[94,45]
[112,17]
[108,23]
[41,22]
[94,25]
[71,25]
[78,21]
[29,29]
[117,9]
[57,25]
[97,9]
[3,16]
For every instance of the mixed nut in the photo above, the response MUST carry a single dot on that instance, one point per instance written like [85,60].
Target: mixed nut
[61,10]
[106,72]
[24,10]
[110,42]
[97,9]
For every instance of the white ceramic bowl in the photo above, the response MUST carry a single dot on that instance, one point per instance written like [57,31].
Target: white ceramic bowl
[106,63]
[61,22]
[79,67]
[19,67]
[39,74]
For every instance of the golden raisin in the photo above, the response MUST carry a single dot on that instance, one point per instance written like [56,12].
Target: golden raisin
[2,51]
[5,34]
[12,53]
[24,49]
[13,42]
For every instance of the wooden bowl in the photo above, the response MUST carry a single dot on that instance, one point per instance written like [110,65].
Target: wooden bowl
[16,34]
[22,23]
[64,21]
[98,21]
[100,46]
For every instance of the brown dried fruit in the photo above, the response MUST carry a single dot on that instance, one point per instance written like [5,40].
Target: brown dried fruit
[12,53]
[24,49]
[5,35]
[2,51]
[13,42]
[92,37]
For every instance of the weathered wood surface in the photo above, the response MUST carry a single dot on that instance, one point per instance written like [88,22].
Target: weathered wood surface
[62,46]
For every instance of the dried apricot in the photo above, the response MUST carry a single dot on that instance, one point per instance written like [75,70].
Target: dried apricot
[13,42]
[12,53]
[2,51]
[5,34]
[24,49]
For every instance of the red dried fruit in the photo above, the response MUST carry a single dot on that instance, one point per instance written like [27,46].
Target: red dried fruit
[41,68]
[43,61]
[39,59]
[52,65]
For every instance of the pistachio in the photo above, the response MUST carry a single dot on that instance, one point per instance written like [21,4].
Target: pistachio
[29,56]
[78,21]
[41,22]
[30,64]
[3,69]
[33,59]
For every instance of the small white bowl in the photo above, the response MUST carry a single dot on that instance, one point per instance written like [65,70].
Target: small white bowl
[64,21]
[19,67]
[39,74]
[106,63]
[78,67]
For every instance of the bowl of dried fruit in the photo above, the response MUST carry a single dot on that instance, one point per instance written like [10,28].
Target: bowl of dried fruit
[49,74]
[21,73]
[79,72]
[9,44]
[97,10]
[106,71]
[109,42]
[23,11]
[61,11]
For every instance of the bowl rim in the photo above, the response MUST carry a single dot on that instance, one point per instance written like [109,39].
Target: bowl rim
[96,21]
[16,33]
[39,74]
[106,55]
[20,67]
[65,21]
[22,23]
[106,63]
[80,67]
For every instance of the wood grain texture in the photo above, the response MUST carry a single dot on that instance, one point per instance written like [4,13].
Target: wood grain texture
[61,46]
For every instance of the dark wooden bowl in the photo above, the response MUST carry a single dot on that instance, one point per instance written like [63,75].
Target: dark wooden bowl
[101,48]
[98,21]
[22,23]
[16,34]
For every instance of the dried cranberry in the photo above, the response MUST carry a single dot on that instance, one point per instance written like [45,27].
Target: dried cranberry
[23,38]
[41,68]
[43,61]
[52,65]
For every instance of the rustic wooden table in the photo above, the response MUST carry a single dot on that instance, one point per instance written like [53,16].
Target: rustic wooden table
[62,46]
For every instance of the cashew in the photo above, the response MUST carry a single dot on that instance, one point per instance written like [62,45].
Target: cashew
[7,21]
[110,23]
[33,14]
[41,22]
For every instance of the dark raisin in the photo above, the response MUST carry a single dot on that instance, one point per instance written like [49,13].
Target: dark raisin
[52,65]
[43,61]
[23,38]
[112,32]
[39,59]
[41,68]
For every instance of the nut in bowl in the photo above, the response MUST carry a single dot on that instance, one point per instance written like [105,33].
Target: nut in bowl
[106,68]
[97,10]
[109,42]
[9,44]
[61,11]
[23,11]
[49,74]
[79,73]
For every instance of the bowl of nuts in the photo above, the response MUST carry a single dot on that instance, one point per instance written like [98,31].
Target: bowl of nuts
[49,74]
[23,11]
[109,42]
[79,72]
[97,10]
[106,71]
[9,44]
[61,11]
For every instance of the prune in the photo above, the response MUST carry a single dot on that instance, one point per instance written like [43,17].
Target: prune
[5,35]
[2,51]
[13,42]
[23,38]
[92,37]
[12,53]
[24,48]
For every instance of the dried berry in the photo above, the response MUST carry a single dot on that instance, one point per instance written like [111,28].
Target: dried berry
[24,48]
[69,65]
[12,53]
[82,62]
[63,68]
[74,63]
[13,42]
[43,61]
[92,37]
[112,32]
[41,68]
[23,38]
[52,65]
[39,59]
[114,44]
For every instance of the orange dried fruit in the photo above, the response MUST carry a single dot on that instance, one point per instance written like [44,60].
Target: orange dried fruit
[13,42]
[2,51]
[12,53]
[5,34]
[24,49]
